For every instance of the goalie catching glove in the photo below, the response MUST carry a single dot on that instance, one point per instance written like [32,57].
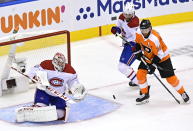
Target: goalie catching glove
[78,92]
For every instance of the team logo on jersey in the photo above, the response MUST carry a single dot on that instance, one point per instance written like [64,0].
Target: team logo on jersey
[56,82]
[146,49]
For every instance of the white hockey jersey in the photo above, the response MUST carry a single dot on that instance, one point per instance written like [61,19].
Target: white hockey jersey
[128,29]
[59,81]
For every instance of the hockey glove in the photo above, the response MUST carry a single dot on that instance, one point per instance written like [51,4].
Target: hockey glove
[138,54]
[41,87]
[115,30]
[42,78]
[137,51]
[78,92]
[150,68]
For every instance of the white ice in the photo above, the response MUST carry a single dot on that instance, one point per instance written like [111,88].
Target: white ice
[95,60]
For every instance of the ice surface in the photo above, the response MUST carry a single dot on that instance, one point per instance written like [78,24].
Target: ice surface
[96,60]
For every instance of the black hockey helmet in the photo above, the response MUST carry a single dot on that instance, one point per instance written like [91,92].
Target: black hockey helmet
[145,23]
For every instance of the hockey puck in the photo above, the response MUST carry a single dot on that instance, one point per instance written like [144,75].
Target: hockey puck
[114,97]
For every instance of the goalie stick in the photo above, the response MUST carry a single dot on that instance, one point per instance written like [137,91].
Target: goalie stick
[161,82]
[64,97]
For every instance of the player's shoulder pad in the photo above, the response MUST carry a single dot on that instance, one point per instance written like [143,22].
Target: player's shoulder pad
[134,22]
[138,34]
[47,65]
[155,33]
[139,37]
[69,69]
[121,17]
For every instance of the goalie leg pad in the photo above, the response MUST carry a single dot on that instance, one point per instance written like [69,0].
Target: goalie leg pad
[65,114]
[36,114]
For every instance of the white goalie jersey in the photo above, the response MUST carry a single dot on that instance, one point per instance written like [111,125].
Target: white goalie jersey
[48,78]
[59,81]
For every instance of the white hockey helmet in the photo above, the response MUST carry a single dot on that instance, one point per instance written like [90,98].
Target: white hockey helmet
[129,9]
[59,61]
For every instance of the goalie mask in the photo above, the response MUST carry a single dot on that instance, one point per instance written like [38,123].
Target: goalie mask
[59,61]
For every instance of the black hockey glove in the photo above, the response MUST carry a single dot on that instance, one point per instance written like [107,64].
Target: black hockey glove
[150,68]
[137,51]
[138,54]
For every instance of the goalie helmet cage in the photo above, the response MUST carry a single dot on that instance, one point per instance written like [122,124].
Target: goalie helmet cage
[44,36]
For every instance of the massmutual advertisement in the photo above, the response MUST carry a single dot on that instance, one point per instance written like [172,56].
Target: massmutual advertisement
[73,15]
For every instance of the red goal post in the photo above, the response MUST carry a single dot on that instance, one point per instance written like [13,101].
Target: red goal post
[10,42]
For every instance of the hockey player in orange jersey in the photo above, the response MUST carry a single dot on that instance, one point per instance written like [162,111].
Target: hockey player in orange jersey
[153,50]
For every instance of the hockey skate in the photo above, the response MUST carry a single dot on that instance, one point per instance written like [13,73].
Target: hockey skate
[132,84]
[185,97]
[144,98]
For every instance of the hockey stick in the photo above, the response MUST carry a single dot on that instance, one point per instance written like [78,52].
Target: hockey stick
[161,82]
[159,67]
[49,88]
[123,39]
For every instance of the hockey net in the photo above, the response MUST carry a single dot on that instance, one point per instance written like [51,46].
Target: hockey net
[31,48]
[43,39]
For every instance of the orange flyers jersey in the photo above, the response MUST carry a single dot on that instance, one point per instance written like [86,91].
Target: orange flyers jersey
[152,46]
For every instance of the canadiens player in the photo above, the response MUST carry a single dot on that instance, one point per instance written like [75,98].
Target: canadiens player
[153,50]
[127,26]
[47,106]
